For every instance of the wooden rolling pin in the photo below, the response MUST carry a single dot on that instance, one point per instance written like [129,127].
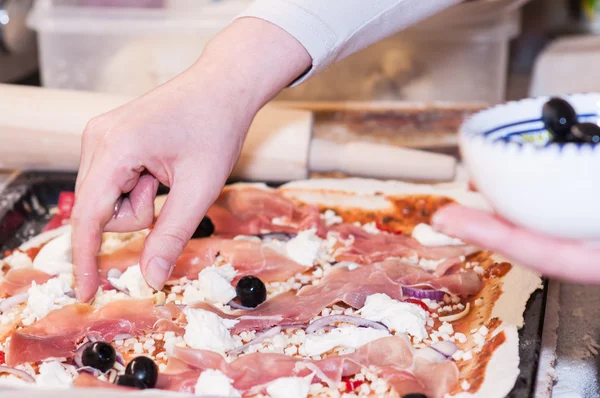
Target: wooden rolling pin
[41,129]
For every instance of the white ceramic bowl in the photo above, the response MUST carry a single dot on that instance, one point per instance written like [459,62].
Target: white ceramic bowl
[546,187]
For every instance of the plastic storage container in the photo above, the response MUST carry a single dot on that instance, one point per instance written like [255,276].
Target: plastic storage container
[435,60]
[460,54]
[99,46]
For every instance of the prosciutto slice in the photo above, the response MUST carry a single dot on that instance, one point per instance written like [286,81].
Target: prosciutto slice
[366,248]
[57,334]
[349,287]
[250,211]
[19,280]
[250,373]
[247,257]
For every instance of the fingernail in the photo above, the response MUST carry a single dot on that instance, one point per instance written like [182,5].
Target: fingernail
[159,271]
[439,221]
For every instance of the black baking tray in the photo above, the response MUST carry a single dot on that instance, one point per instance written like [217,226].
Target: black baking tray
[25,209]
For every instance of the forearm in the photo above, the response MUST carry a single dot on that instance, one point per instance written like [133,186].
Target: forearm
[251,61]
[331,30]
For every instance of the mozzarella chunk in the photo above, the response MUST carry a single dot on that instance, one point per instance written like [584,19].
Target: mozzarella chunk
[18,259]
[213,284]
[133,281]
[214,383]
[208,331]
[427,236]
[290,387]
[348,337]
[55,256]
[304,248]
[53,375]
[398,316]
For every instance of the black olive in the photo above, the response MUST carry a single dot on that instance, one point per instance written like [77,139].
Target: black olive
[144,369]
[130,381]
[251,291]
[586,132]
[205,228]
[415,395]
[99,355]
[558,117]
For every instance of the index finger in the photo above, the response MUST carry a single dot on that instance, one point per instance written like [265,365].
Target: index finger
[94,207]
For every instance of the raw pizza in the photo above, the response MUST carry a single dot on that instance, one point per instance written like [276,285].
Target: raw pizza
[320,288]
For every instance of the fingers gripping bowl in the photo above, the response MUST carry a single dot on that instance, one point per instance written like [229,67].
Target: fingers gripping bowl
[544,180]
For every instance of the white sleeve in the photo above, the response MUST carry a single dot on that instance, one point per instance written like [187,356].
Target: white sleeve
[331,30]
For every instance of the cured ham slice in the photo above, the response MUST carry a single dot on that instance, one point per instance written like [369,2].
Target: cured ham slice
[351,287]
[19,280]
[250,373]
[57,334]
[250,211]
[247,257]
[366,248]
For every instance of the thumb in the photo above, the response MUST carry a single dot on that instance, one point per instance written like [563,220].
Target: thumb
[186,204]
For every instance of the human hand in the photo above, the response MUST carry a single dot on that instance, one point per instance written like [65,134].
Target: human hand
[186,134]
[564,259]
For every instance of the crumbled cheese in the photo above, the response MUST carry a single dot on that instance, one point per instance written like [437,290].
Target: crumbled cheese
[349,337]
[460,337]
[214,383]
[371,228]
[479,302]
[457,356]
[465,385]
[427,236]
[467,356]
[483,331]
[290,387]
[478,339]
[281,221]
[213,285]
[171,341]
[304,248]
[206,330]
[398,316]
[446,328]
[55,257]
[104,297]
[331,218]
[18,259]
[47,297]
[478,270]
[53,375]
[429,265]
[133,281]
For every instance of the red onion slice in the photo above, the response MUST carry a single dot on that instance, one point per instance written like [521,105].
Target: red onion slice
[280,236]
[77,357]
[431,294]
[123,336]
[21,374]
[12,301]
[358,321]
[446,348]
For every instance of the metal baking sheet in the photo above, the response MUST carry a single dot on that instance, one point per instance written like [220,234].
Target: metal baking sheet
[25,209]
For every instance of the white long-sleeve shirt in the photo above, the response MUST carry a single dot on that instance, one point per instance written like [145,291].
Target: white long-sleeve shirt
[331,30]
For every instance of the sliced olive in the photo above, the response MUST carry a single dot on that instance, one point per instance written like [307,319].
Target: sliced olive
[130,381]
[586,132]
[558,117]
[251,291]
[99,355]
[205,229]
[144,369]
